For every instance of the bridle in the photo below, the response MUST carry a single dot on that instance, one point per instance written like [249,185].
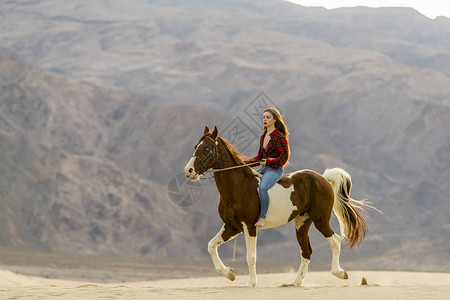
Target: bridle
[211,153]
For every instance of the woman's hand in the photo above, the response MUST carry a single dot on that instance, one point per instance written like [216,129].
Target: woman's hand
[264,160]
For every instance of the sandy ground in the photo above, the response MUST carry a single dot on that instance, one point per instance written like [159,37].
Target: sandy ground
[33,275]
[317,285]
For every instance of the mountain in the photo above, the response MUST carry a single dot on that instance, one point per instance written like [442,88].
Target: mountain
[102,103]
[60,190]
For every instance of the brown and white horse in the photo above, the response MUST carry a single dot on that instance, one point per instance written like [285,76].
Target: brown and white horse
[304,197]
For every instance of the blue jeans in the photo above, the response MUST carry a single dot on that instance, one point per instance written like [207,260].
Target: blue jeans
[270,177]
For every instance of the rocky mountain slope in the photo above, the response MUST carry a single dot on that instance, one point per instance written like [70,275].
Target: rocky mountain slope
[101,104]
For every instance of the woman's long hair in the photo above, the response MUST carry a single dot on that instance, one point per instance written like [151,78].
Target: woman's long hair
[279,124]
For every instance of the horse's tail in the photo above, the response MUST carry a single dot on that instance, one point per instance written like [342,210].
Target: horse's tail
[348,211]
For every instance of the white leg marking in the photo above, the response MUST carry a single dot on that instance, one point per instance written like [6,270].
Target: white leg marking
[303,269]
[335,244]
[212,249]
[250,242]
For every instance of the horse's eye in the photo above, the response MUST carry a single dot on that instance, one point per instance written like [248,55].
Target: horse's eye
[207,149]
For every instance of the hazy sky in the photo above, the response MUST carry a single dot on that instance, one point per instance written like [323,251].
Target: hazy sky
[429,8]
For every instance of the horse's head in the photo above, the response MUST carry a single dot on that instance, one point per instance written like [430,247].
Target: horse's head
[205,154]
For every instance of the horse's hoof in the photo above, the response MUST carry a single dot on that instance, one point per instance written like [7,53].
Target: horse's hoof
[230,275]
[341,274]
[291,284]
[250,284]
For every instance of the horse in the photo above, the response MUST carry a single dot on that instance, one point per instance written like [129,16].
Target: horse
[303,197]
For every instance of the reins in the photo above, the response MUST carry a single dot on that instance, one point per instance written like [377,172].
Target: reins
[215,151]
[229,168]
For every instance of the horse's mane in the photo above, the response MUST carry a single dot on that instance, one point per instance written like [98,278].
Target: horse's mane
[237,157]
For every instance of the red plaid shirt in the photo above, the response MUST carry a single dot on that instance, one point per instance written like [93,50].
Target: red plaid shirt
[277,149]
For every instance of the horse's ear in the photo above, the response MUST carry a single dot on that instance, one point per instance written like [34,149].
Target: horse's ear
[206,130]
[215,133]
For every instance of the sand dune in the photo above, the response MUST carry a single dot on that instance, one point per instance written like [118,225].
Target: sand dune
[317,285]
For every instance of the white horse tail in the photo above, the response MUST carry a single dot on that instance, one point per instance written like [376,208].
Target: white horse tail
[348,211]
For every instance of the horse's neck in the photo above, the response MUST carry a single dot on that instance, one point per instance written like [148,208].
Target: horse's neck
[229,184]
[228,177]
[225,159]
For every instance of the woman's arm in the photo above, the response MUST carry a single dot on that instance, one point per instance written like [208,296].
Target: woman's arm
[282,147]
[256,158]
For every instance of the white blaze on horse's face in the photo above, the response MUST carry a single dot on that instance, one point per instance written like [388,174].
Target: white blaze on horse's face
[189,169]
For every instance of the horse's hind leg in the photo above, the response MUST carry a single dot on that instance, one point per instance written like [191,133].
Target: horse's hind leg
[302,224]
[335,244]
[224,235]
[334,240]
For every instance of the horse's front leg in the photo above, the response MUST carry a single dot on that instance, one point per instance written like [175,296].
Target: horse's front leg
[250,241]
[223,236]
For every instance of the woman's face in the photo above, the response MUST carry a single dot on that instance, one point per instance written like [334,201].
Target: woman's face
[268,119]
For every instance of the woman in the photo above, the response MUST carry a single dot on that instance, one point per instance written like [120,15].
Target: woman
[274,153]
